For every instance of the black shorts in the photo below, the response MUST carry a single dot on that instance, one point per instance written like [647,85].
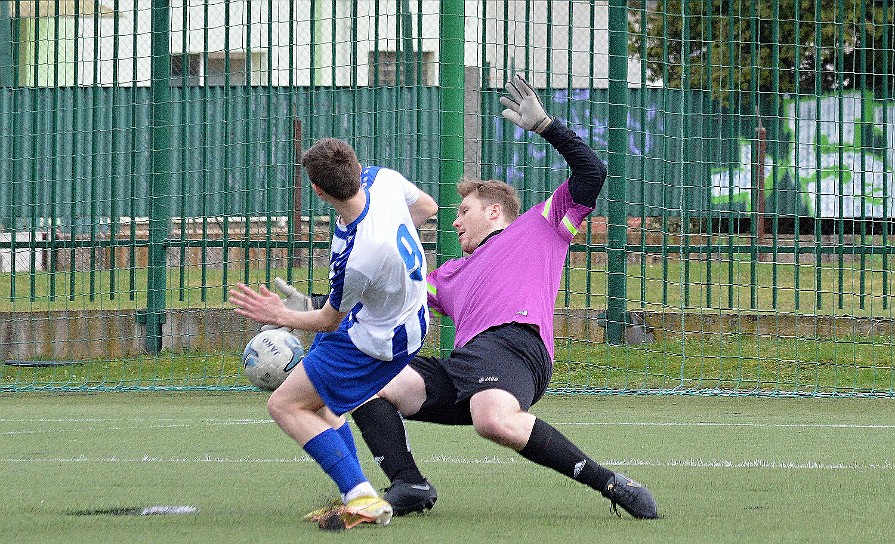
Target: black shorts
[509,357]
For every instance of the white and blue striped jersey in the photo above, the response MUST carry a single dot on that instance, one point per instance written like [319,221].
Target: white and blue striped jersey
[378,271]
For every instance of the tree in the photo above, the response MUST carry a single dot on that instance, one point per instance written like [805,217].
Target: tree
[732,45]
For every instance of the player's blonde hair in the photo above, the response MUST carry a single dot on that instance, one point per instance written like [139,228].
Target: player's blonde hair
[492,191]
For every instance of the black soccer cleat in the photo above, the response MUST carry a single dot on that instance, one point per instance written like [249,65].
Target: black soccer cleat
[631,496]
[407,498]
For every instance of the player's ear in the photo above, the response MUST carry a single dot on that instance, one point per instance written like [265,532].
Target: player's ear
[495,211]
[317,189]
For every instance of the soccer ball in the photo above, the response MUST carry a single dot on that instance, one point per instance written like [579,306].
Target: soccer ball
[270,356]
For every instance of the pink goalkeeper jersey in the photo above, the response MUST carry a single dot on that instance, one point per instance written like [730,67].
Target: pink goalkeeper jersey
[514,276]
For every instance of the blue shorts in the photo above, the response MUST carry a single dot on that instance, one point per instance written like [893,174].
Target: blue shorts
[344,376]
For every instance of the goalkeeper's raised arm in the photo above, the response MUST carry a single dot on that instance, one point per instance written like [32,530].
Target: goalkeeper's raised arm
[525,110]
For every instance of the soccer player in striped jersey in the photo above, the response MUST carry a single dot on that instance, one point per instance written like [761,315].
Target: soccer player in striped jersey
[501,296]
[370,327]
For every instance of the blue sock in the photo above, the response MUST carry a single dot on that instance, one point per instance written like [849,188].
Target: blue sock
[345,432]
[336,459]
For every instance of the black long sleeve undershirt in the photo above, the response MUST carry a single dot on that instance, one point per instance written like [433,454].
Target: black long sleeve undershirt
[588,171]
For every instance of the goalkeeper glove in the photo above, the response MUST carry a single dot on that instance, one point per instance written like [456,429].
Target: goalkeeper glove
[524,108]
[294,301]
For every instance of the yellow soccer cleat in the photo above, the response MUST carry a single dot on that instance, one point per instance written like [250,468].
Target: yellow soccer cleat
[368,509]
[314,516]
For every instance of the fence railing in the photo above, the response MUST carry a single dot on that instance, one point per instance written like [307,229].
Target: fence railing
[148,160]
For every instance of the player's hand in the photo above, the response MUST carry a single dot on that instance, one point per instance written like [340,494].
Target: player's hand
[294,301]
[523,107]
[263,306]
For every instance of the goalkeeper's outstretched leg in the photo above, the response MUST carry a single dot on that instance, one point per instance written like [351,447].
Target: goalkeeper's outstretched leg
[497,416]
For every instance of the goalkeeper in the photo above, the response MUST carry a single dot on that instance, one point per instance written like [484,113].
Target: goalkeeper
[501,297]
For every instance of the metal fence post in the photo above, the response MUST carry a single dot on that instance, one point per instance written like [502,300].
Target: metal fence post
[617,166]
[6,66]
[451,168]
[159,194]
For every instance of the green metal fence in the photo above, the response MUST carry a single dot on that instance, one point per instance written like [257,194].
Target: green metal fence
[742,244]
[244,140]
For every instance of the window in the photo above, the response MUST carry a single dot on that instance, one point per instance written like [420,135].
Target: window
[213,69]
[387,68]
[218,69]
[188,66]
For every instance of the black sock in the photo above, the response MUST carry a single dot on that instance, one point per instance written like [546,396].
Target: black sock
[550,448]
[382,428]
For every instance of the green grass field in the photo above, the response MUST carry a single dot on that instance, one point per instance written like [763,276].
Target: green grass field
[746,365]
[723,469]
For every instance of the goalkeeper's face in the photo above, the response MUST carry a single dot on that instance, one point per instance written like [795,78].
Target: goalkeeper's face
[476,220]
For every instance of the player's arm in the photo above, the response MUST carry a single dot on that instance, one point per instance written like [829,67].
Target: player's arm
[268,308]
[588,171]
[524,108]
[422,209]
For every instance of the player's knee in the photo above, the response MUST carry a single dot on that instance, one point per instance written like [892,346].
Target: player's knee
[277,406]
[494,429]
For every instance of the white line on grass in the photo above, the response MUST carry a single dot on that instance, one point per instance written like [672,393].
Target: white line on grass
[170,424]
[167,423]
[161,425]
[207,421]
[723,424]
[489,459]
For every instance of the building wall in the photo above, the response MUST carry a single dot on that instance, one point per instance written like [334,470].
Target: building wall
[331,42]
